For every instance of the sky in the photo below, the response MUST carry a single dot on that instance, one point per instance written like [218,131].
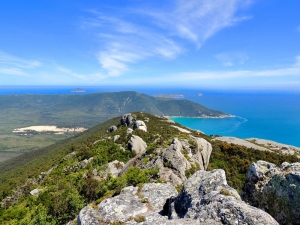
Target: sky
[237,44]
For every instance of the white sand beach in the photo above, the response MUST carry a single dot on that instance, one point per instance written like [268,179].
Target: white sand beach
[43,129]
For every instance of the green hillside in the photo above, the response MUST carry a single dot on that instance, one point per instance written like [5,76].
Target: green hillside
[70,111]
[90,109]
[69,187]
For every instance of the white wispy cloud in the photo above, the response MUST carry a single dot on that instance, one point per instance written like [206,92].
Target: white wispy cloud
[69,72]
[12,65]
[197,20]
[12,71]
[125,40]
[232,58]
[202,77]
[126,43]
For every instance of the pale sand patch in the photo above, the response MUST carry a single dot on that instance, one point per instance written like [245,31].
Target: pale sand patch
[242,142]
[49,129]
[182,129]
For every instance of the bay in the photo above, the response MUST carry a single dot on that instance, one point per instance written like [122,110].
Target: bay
[272,115]
[267,115]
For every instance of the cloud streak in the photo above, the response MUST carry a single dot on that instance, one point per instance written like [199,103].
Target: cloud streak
[232,58]
[198,20]
[139,34]
[217,77]
[11,65]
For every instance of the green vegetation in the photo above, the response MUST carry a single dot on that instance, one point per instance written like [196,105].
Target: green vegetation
[235,160]
[88,110]
[69,186]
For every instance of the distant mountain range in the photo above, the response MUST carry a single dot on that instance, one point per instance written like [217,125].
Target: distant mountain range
[90,109]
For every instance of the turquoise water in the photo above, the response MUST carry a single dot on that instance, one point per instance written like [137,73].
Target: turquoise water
[267,115]
[273,116]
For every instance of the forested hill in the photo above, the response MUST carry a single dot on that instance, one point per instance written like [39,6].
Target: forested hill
[90,109]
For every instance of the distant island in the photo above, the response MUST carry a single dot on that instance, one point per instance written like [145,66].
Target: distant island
[169,96]
[78,90]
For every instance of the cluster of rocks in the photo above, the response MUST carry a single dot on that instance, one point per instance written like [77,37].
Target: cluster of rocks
[269,192]
[275,190]
[127,120]
[180,156]
[205,199]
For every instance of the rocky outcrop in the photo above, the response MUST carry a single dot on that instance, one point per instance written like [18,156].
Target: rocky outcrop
[199,151]
[156,194]
[174,159]
[139,124]
[116,137]
[275,190]
[137,144]
[129,131]
[205,199]
[128,206]
[112,129]
[126,119]
[114,168]
[180,157]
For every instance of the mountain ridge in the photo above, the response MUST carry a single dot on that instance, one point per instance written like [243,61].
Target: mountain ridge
[99,164]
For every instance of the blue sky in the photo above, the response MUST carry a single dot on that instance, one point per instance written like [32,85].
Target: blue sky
[197,43]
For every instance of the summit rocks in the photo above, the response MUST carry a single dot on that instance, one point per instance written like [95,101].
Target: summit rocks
[205,199]
[275,190]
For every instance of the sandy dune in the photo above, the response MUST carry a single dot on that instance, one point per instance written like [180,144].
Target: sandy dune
[49,129]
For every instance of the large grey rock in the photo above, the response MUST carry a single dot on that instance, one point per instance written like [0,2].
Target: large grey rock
[205,149]
[116,209]
[174,159]
[112,129]
[157,194]
[168,175]
[126,119]
[207,199]
[116,137]
[275,190]
[199,152]
[114,168]
[129,204]
[137,144]
[139,124]
[36,192]
[202,152]
[123,206]
[129,131]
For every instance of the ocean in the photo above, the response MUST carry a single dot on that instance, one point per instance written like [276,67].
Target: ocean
[273,115]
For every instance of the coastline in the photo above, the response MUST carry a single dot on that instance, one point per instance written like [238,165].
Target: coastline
[262,145]
[259,143]
[203,117]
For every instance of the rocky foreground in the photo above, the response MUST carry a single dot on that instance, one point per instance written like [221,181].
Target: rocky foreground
[205,198]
